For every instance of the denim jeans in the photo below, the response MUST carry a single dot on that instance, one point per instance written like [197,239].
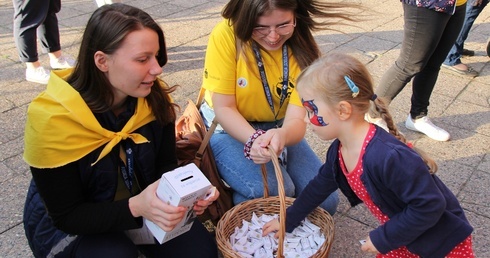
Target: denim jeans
[428,37]
[456,52]
[245,177]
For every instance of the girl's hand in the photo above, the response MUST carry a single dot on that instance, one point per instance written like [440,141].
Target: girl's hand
[201,205]
[369,247]
[271,226]
[147,205]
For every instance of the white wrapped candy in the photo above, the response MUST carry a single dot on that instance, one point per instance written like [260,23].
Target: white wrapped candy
[304,241]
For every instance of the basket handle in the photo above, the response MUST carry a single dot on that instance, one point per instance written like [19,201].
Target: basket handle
[282,197]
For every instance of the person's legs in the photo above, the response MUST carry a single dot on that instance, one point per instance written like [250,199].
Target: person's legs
[28,16]
[197,242]
[49,33]
[416,48]
[445,29]
[456,52]
[303,165]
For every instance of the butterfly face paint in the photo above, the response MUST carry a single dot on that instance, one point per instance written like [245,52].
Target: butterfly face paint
[312,111]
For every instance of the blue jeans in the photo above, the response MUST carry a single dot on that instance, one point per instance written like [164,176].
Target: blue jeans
[428,37]
[245,177]
[472,12]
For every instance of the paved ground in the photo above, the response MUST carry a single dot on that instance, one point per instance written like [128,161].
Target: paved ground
[461,105]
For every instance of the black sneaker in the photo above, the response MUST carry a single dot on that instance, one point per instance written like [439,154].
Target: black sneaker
[488,48]
[467,52]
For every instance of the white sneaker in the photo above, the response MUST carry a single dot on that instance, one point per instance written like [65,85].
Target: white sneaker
[425,126]
[377,121]
[39,75]
[62,62]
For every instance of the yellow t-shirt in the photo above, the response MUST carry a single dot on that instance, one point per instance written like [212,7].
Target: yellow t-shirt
[225,75]
[460,2]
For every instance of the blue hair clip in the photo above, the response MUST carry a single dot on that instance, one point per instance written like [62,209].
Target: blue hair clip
[352,86]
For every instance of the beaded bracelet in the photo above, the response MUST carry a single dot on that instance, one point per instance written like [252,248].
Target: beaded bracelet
[250,141]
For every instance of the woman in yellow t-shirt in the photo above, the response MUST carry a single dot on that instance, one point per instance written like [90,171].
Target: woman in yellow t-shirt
[253,59]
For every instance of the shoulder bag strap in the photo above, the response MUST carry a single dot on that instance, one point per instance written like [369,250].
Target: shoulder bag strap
[209,132]
[214,124]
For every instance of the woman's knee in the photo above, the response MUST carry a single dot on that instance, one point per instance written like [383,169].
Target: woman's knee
[105,245]
[200,240]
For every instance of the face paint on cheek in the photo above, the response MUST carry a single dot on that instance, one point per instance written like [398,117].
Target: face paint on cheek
[312,111]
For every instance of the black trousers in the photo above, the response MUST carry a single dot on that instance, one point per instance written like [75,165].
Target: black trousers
[197,242]
[427,38]
[32,19]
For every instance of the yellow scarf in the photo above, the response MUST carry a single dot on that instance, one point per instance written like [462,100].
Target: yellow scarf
[61,128]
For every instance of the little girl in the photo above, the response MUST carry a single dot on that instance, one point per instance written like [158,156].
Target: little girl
[419,215]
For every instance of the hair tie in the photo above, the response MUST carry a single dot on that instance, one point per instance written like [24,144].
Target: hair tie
[352,86]
[374,97]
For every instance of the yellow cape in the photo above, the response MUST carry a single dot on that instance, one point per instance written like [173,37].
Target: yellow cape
[61,128]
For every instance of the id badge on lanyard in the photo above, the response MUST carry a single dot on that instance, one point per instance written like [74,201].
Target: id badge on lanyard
[263,77]
[127,166]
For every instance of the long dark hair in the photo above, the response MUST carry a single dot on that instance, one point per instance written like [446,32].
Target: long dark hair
[243,15]
[105,31]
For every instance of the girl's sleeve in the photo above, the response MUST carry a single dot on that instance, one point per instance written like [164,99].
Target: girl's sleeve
[408,179]
[317,190]
[62,193]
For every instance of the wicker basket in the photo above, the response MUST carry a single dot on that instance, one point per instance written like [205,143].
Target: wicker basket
[270,205]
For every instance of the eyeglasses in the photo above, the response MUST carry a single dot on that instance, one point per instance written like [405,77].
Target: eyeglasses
[283,30]
[312,111]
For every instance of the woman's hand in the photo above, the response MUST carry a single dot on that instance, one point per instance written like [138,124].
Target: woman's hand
[477,2]
[259,154]
[201,205]
[149,206]
[259,151]
[276,138]
[271,226]
[369,247]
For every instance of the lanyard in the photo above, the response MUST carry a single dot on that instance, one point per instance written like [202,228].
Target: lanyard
[263,77]
[127,167]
